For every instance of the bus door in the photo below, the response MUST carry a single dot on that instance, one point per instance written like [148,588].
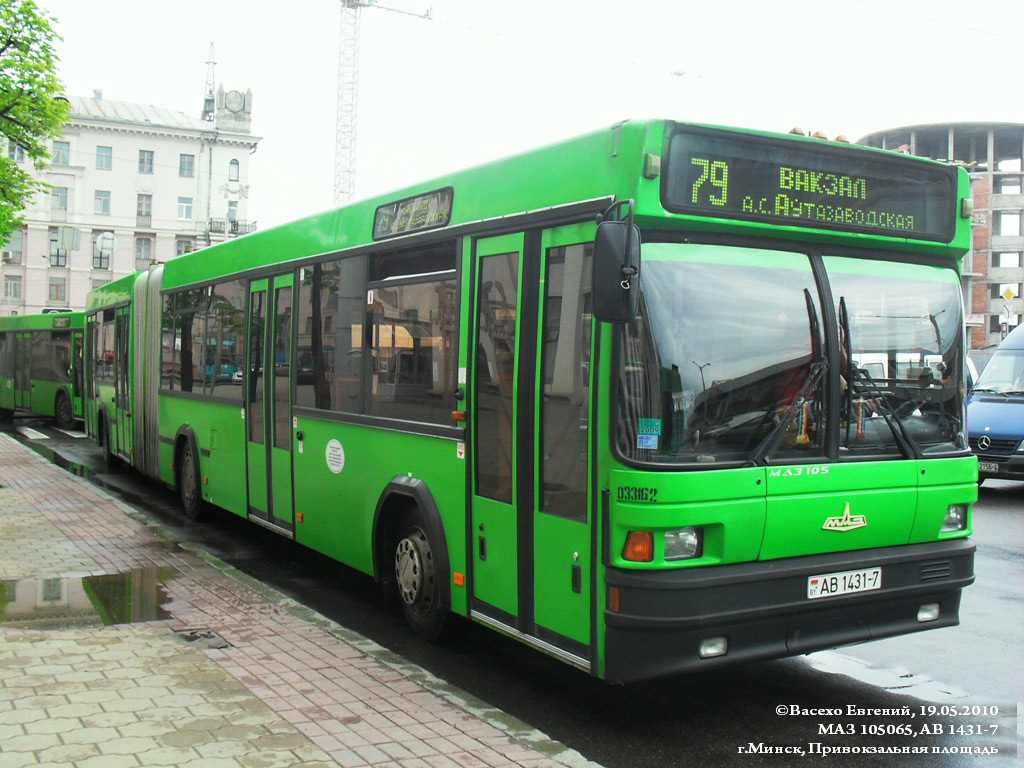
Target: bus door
[495,494]
[561,522]
[23,370]
[122,419]
[77,372]
[267,402]
[531,549]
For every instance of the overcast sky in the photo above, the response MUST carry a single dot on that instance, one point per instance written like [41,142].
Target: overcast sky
[483,79]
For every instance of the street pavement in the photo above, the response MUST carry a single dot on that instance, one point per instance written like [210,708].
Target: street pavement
[122,647]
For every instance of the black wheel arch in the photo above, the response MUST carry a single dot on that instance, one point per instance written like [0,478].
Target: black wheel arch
[398,496]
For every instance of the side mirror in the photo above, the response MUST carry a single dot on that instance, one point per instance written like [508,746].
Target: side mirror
[615,288]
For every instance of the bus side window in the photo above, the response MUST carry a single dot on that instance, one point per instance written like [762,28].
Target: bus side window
[330,313]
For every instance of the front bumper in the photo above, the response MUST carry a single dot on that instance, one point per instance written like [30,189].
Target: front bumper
[1010,466]
[763,610]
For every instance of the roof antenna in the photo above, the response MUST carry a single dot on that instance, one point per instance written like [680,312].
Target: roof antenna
[208,101]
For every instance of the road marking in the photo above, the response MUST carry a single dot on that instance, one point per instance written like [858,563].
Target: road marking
[31,434]
[72,432]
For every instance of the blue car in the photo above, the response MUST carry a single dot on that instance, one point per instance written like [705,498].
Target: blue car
[995,412]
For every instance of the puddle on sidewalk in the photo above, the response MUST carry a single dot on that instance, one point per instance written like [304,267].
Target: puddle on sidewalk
[88,601]
[81,470]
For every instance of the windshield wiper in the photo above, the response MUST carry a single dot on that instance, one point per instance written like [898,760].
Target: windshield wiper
[993,391]
[899,431]
[773,438]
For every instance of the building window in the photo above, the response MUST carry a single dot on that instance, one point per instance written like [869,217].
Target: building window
[1008,223]
[183,246]
[104,158]
[61,153]
[999,291]
[143,252]
[12,250]
[1007,185]
[1002,323]
[103,244]
[16,152]
[145,161]
[186,165]
[58,289]
[1006,259]
[184,207]
[101,202]
[144,205]
[232,210]
[233,170]
[98,282]
[59,199]
[58,249]
[12,287]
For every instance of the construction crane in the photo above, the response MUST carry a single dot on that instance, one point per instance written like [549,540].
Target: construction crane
[348,95]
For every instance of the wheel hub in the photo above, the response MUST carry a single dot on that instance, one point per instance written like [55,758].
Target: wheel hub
[413,568]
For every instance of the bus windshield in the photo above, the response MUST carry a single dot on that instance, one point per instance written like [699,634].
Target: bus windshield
[726,360]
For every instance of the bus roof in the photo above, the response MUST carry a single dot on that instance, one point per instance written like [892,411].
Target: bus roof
[612,163]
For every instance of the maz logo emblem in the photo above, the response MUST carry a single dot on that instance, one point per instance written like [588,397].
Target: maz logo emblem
[845,523]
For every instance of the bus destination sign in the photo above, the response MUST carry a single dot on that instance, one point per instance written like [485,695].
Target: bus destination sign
[426,211]
[823,187]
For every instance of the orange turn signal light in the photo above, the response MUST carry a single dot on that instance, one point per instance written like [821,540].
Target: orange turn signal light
[639,547]
[613,599]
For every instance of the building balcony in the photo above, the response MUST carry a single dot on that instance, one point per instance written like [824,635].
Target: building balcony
[58,214]
[143,221]
[232,227]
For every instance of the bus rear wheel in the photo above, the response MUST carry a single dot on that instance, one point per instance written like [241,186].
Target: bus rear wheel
[189,487]
[419,592]
[62,411]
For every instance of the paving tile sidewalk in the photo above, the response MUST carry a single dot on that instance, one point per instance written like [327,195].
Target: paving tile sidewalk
[290,689]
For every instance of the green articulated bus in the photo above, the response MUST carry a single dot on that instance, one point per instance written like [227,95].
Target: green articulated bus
[659,398]
[41,366]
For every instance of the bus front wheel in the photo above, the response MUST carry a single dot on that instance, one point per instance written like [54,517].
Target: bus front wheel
[419,593]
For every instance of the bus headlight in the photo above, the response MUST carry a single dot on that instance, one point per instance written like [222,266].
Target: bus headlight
[683,543]
[956,518]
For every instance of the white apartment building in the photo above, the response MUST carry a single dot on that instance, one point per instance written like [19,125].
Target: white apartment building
[131,184]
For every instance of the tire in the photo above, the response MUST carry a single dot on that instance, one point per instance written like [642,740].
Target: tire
[189,483]
[416,581]
[62,411]
[109,459]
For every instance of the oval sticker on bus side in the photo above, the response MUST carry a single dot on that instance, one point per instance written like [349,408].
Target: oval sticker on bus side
[335,455]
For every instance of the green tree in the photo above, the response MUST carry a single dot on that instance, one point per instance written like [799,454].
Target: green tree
[32,111]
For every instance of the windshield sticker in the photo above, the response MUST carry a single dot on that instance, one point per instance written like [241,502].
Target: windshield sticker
[650,427]
[647,442]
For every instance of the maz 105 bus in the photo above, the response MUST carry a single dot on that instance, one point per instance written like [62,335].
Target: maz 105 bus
[41,366]
[749,445]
